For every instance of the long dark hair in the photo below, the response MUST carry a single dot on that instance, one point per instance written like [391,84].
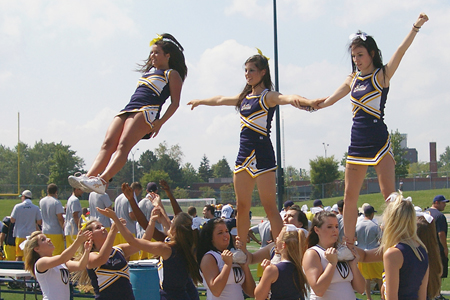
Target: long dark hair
[318,220]
[185,239]
[371,47]
[262,64]
[206,235]
[170,45]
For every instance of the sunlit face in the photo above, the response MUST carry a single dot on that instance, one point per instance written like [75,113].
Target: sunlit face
[362,59]
[252,74]
[291,217]
[329,231]
[279,241]
[99,233]
[221,236]
[45,246]
[207,213]
[158,58]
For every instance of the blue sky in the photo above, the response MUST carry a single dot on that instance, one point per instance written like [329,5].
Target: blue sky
[67,67]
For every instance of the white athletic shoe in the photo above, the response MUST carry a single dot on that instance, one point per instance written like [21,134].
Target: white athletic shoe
[344,254]
[239,256]
[75,181]
[94,184]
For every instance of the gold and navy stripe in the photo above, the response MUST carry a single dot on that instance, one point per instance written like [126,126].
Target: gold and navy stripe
[372,161]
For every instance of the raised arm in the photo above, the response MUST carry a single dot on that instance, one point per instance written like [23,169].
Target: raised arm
[100,258]
[215,101]
[176,207]
[48,262]
[394,62]
[157,248]
[78,265]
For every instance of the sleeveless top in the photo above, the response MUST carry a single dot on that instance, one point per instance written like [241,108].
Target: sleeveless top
[151,92]
[256,154]
[174,279]
[112,280]
[370,140]
[54,283]
[412,272]
[340,286]
[286,286]
[233,288]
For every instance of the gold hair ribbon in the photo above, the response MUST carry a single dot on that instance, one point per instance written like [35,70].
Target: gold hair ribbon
[156,39]
[260,53]
[83,222]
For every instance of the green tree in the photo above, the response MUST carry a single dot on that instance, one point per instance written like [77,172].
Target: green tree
[170,166]
[227,193]
[444,160]
[401,163]
[174,152]
[221,169]
[324,171]
[190,175]
[420,168]
[147,161]
[156,176]
[180,193]
[207,192]
[204,171]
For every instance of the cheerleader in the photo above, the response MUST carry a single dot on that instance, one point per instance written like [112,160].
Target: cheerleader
[163,74]
[255,163]
[368,86]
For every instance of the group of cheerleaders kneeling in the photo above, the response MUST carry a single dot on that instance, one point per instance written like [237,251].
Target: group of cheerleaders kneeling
[188,258]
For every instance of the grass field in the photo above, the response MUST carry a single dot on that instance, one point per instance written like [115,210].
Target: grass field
[420,198]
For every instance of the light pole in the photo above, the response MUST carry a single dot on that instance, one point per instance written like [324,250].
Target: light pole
[325,148]
[132,161]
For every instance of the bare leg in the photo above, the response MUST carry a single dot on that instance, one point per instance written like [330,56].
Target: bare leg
[134,129]
[243,187]
[369,296]
[386,175]
[267,193]
[109,146]
[354,178]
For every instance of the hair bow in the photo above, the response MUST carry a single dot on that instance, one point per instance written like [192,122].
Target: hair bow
[393,196]
[359,34]
[290,227]
[260,53]
[84,222]
[24,243]
[427,216]
[156,39]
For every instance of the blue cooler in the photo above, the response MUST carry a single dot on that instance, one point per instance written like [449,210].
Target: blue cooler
[144,279]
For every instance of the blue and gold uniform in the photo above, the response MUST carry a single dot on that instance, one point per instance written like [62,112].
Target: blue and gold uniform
[370,140]
[256,155]
[112,280]
[151,93]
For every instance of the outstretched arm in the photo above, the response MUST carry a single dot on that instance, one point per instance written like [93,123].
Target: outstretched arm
[215,101]
[338,94]
[393,64]
[275,98]
[140,217]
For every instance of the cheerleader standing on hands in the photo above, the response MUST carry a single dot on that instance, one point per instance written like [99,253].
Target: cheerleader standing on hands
[255,163]
[370,140]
